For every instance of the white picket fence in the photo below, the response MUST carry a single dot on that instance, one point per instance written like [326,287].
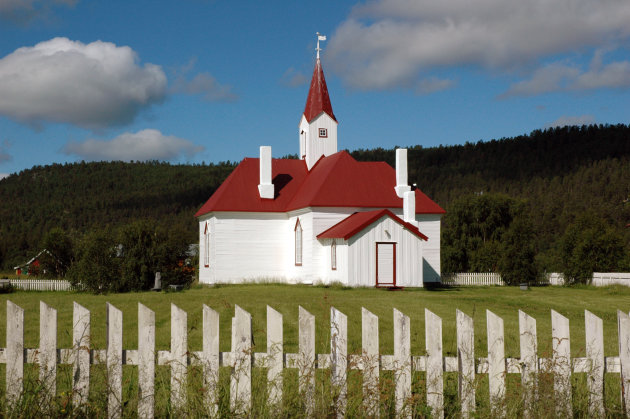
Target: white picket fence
[600,279]
[472,279]
[555,278]
[242,359]
[41,284]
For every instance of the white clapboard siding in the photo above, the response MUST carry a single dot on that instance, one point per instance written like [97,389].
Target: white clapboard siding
[257,235]
[316,146]
[242,359]
[362,254]
[429,225]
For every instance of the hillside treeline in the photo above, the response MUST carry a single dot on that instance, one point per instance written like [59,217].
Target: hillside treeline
[557,178]
[81,197]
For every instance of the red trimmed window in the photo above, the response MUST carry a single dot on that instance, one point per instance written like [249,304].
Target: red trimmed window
[298,243]
[333,255]
[323,133]
[206,246]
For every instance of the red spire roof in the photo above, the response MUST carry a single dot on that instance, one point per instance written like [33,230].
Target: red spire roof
[318,100]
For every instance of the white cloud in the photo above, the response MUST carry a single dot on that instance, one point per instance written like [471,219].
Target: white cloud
[5,157]
[23,11]
[293,78]
[92,85]
[148,144]
[205,85]
[572,120]
[4,153]
[388,43]
[550,78]
[3,175]
[567,77]
[432,85]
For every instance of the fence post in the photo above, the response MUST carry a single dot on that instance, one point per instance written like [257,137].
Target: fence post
[339,357]
[210,361]
[241,381]
[594,334]
[371,364]
[114,361]
[529,361]
[435,363]
[496,362]
[466,362]
[306,359]
[402,363]
[623,328]
[47,352]
[179,356]
[561,363]
[81,355]
[146,362]
[15,353]
[275,352]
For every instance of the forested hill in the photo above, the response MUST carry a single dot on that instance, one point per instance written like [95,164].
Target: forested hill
[83,196]
[561,172]
[446,172]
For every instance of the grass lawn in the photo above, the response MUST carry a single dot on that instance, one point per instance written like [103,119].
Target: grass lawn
[503,301]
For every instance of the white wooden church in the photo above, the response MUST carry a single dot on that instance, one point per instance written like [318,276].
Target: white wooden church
[322,218]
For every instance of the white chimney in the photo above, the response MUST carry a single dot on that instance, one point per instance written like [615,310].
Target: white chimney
[409,207]
[402,184]
[265,187]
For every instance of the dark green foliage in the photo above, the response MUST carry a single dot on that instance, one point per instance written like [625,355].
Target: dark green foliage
[590,245]
[474,232]
[517,264]
[97,266]
[79,197]
[59,253]
[137,243]
[147,248]
[489,233]
[128,259]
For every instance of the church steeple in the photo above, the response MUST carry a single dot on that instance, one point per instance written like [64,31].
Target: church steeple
[318,125]
[318,100]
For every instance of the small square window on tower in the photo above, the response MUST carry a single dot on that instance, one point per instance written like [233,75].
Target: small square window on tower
[323,133]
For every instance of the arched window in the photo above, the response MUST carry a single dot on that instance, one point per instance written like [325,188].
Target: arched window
[206,246]
[298,243]
[333,255]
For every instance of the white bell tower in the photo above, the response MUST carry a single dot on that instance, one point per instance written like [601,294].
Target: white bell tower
[318,125]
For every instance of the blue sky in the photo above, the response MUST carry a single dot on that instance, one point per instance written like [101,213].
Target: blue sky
[202,80]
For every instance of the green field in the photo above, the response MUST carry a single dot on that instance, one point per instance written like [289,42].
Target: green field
[474,301]
[503,301]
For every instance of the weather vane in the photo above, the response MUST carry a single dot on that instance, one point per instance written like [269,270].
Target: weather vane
[319,38]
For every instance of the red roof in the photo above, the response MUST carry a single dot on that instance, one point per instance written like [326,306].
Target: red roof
[318,100]
[355,223]
[335,181]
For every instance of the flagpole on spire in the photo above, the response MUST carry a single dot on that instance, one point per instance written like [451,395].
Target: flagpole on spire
[319,38]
